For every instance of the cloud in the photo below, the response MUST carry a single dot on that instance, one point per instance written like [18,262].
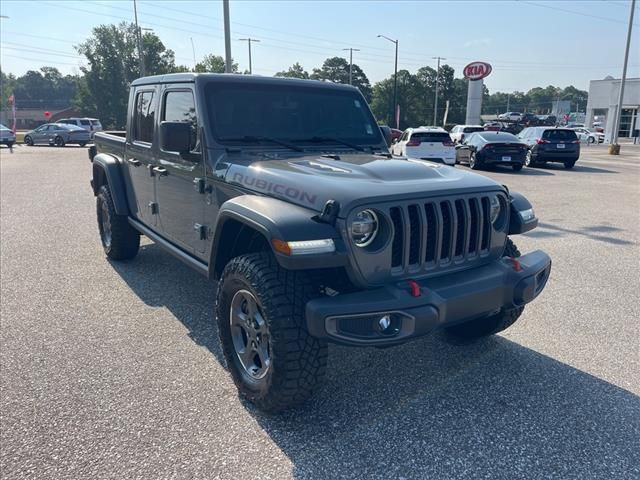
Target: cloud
[477,42]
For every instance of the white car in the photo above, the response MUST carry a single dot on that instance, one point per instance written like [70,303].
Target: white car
[92,125]
[586,135]
[513,116]
[459,132]
[433,144]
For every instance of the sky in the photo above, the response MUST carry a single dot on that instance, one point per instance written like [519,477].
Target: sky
[528,43]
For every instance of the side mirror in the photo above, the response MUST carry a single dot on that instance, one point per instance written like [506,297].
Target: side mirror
[175,136]
[386,133]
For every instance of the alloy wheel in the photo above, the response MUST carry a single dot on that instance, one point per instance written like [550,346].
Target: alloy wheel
[250,335]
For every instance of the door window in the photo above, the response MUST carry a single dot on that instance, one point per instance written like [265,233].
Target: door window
[179,106]
[144,117]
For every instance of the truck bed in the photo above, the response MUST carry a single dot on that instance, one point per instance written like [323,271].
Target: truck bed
[111,142]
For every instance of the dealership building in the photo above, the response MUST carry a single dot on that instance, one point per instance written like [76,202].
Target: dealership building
[601,105]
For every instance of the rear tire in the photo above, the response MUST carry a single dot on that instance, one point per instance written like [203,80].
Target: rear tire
[28,140]
[482,327]
[591,140]
[58,141]
[569,164]
[517,167]
[260,311]
[119,239]
[83,144]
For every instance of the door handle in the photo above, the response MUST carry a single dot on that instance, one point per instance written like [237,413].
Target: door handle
[133,161]
[161,171]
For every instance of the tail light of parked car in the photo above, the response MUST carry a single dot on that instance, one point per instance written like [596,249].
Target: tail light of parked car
[414,142]
[448,143]
[540,141]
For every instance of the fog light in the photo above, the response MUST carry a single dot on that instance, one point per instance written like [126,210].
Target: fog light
[384,322]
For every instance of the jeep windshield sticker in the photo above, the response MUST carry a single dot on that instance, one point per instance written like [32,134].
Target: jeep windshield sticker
[280,189]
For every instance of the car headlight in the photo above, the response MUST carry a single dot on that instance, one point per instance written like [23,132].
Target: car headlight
[364,227]
[527,215]
[494,209]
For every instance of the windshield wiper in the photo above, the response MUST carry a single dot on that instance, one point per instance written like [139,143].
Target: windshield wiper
[332,140]
[258,139]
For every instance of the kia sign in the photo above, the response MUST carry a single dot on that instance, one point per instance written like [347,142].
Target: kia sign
[476,70]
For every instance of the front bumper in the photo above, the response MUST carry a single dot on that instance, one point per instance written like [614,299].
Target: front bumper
[352,318]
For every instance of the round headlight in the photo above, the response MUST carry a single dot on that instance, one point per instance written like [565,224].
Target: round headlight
[494,209]
[364,227]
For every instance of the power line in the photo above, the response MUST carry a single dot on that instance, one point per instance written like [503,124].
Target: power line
[606,19]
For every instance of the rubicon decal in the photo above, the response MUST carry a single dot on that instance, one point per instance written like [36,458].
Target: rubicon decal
[476,70]
[277,188]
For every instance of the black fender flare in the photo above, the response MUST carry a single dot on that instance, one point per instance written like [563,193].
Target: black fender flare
[106,170]
[517,225]
[277,219]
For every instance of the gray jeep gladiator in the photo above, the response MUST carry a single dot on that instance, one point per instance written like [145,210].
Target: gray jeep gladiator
[284,192]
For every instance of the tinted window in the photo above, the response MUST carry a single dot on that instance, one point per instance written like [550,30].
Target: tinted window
[431,136]
[286,112]
[560,135]
[85,122]
[473,129]
[144,117]
[95,123]
[69,122]
[179,106]
[499,137]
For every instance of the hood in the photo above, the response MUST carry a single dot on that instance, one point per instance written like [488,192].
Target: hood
[352,180]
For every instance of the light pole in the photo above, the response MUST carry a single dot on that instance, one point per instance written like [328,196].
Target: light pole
[435,103]
[193,51]
[139,37]
[249,40]
[395,82]
[351,50]
[616,121]
[227,37]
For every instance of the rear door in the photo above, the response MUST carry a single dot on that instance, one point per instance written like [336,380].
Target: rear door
[180,177]
[430,145]
[561,142]
[139,154]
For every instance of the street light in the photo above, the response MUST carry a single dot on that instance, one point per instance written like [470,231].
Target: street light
[395,81]
[435,104]
[249,40]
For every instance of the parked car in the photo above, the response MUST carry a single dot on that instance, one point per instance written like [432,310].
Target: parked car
[529,119]
[550,144]
[492,126]
[459,132]
[482,149]
[586,135]
[574,125]
[549,120]
[93,125]
[58,134]
[7,137]
[512,116]
[312,237]
[598,127]
[424,143]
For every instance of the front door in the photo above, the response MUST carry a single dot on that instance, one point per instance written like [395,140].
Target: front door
[41,134]
[139,157]
[180,190]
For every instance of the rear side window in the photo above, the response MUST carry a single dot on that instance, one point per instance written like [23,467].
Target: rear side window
[85,122]
[473,129]
[179,106]
[68,122]
[560,135]
[95,123]
[144,117]
[431,137]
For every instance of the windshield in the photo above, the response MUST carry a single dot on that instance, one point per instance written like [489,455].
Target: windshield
[289,113]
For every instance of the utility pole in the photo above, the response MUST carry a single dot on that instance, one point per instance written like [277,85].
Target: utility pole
[351,50]
[435,104]
[249,40]
[616,121]
[395,81]
[508,98]
[193,51]
[139,37]
[227,38]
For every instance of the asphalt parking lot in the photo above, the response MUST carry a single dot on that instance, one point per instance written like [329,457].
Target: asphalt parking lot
[114,371]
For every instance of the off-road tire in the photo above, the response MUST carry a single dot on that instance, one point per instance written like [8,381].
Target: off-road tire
[297,360]
[568,164]
[483,327]
[28,140]
[124,241]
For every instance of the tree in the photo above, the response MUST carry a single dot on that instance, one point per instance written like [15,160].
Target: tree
[214,64]
[336,69]
[46,88]
[112,54]
[7,84]
[295,71]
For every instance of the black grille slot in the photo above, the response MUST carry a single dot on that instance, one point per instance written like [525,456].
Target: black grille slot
[486,224]
[398,237]
[473,225]
[432,229]
[414,239]
[462,223]
[445,251]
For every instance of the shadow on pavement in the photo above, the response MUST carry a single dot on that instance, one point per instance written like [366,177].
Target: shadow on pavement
[577,168]
[548,230]
[427,409]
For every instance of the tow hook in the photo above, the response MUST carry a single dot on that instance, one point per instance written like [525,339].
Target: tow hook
[414,288]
